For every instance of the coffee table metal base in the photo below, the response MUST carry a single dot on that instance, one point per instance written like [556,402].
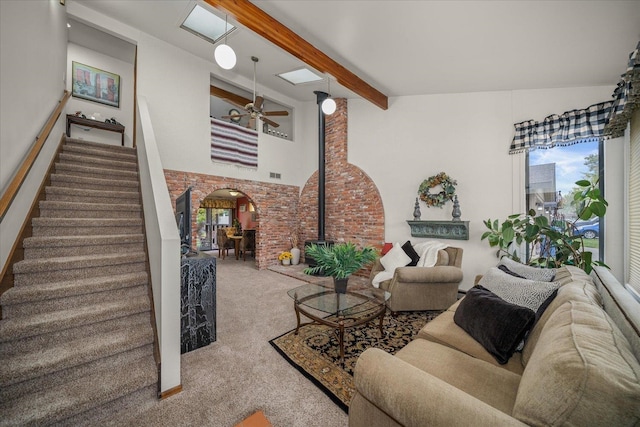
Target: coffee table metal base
[342,322]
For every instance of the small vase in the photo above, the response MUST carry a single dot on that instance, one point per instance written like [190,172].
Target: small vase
[295,253]
[340,285]
[286,261]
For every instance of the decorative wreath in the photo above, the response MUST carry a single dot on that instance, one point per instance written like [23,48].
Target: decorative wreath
[438,199]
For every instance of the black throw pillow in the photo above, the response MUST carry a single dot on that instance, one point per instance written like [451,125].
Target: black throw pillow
[496,324]
[506,270]
[411,253]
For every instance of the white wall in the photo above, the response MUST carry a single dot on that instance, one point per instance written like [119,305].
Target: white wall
[33,45]
[33,40]
[123,114]
[465,135]
[176,85]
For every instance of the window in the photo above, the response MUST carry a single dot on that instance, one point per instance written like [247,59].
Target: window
[551,177]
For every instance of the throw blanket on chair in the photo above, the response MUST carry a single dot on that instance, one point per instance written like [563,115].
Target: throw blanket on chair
[428,252]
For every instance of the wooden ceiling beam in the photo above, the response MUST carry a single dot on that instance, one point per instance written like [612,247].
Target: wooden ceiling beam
[231,97]
[255,19]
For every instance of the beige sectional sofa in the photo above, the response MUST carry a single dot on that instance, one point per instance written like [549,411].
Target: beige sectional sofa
[578,367]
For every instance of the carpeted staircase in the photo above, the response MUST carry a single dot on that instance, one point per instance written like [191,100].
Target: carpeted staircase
[76,331]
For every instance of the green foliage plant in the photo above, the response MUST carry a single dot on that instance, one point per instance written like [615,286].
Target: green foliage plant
[558,242]
[339,260]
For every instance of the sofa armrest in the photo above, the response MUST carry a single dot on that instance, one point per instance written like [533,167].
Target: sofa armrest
[438,274]
[413,397]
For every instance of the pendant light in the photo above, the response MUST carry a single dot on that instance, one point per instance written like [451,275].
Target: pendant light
[224,55]
[329,105]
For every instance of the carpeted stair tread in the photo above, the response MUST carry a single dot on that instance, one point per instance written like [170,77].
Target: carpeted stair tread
[70,209]
[69,141]
[97,161]
[65,180]
[61,205]
[22,327]
[71,353]
[68,241]
[109,148]
[53,405]
[85,222]
[39,307]
[87,150]
[75,262]
[93,171]
[69,288]
[89,195]
[54,379]
[38,342]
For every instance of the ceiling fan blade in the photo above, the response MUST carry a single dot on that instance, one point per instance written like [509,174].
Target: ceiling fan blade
[258,104]
[271,122]
[275,113]
[233,115]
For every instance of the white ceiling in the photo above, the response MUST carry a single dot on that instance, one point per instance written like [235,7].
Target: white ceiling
[420,47]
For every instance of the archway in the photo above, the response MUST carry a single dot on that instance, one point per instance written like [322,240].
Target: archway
[230,210]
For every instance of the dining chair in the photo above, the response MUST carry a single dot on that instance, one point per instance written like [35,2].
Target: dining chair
[248,243]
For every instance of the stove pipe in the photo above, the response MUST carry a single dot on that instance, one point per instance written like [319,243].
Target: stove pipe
[321,96]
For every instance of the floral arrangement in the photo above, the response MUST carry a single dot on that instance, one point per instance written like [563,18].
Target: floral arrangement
[437,199]
[293,239]
[284,255]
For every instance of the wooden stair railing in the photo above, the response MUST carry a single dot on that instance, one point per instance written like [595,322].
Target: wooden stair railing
[25,167]
[16,253]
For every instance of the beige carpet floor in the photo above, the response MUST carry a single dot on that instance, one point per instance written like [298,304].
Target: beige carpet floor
[240,373]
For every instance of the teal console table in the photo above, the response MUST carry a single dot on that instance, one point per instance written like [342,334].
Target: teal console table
[458,230]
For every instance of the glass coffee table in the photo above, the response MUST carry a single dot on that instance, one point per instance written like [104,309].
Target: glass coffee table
[346,310]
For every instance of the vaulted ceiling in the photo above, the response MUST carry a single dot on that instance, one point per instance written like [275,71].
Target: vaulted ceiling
[404,48]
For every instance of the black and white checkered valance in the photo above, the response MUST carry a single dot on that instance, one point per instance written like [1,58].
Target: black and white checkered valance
[568,128]
[626,97]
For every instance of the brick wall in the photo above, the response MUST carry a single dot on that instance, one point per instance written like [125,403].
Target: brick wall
[353,208]
[276,208]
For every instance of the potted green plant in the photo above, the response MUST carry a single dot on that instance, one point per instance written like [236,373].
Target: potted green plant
[339,261]
[558,242]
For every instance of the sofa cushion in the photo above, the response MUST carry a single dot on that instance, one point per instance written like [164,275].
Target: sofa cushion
[577,290]
[464,372]
[527,293]
[581,372]
[528,271]
[395,258]
[496,324]
[411,253]
[444,331]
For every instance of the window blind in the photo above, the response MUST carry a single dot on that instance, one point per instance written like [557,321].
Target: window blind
[634,203]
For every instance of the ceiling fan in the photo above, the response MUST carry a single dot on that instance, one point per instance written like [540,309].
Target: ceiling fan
[254,108]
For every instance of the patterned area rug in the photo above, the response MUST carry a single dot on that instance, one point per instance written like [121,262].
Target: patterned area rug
[315,352]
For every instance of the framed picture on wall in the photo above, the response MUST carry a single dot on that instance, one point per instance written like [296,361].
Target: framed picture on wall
[243,208]
[94,84]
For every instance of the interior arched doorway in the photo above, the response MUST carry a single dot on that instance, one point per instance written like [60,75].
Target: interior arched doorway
[230,210]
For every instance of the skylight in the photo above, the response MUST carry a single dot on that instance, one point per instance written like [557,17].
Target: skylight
[205,24]
[300,76]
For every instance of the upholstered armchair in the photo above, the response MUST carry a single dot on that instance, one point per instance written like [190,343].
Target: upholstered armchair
[424,288]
